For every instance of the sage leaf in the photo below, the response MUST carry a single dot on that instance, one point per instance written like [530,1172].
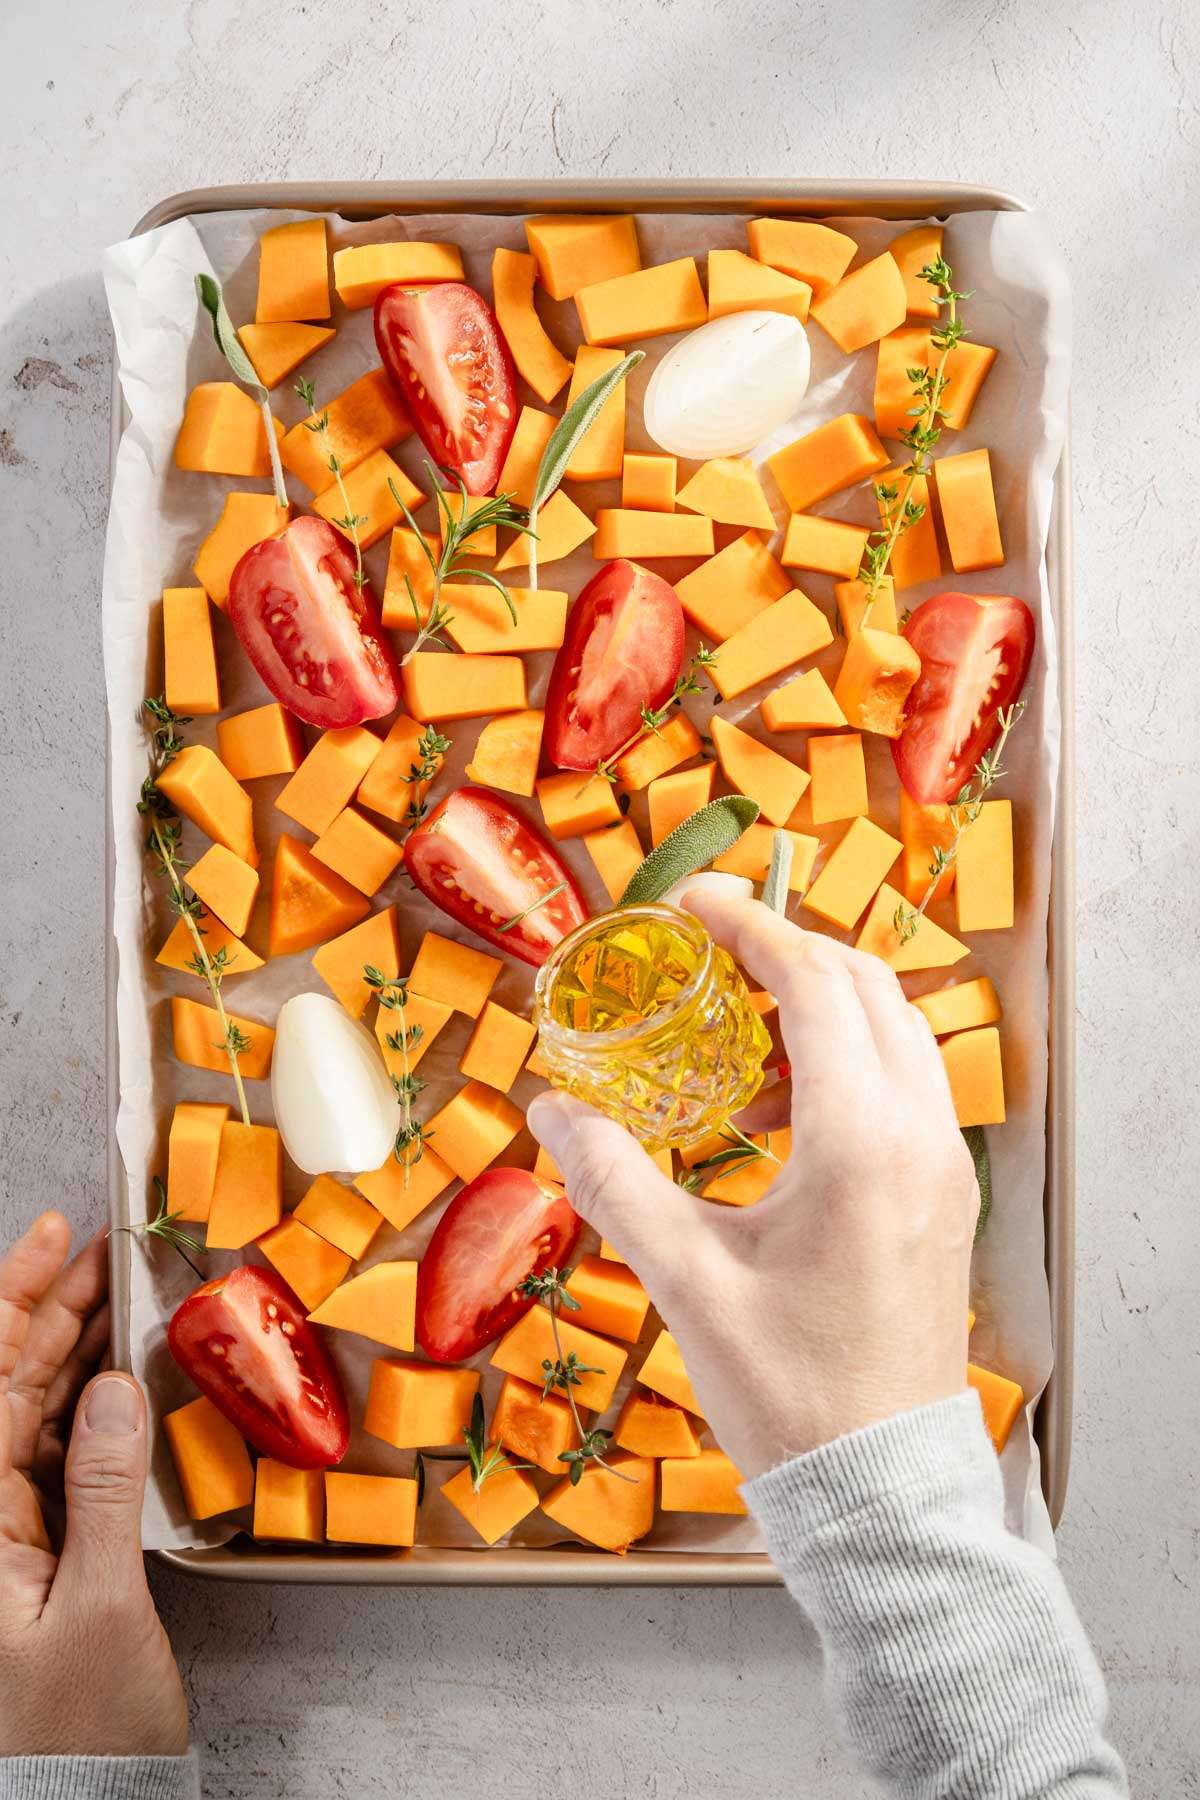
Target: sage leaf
[977,1144]
[709,833]
[775,887]
[579,417]
[228,343]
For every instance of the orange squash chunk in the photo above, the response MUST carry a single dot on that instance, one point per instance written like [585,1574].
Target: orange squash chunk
[267,740]
[507,752]
[199,1040]
[400,1193]
[227,885]
[369,415]
[810,252]
[677,742]
[839,777]
[983,887]
[362,271]
[311,1267]
[648,303]
[751,856]
[803,704]
[418,1022]
[604,1509]
[611,1298]
[878,672]
[745,1184]
[975,1070]
[529,440]
[440,687]
[924,830]
[537,1428]
[339,1215]
[575,250]
[967,367]
[967,502]
[617,853]
[380,1304]
[648,1426]
[190,677]
[707,1483]
[193,1146]
[204,791]
[573,803]
[409,579]
[960,1007]
[648,482]
[851,597]
[179,951]
[737,283]
[530,1342]
[827,545]
[505,1498]
[327,778]
[911,252]
[499,1045]
[474,1128]
[369,490]
[787,632]
[674,798]
[915,555]
[370,1509]
[388,787]
[864,305]
[833,456]
[538,359]
[727,489]
[415,1405]
[481,622]
[289,1504]
[276,350]
[642,536]
[928,948]
[293,272]
[733,587]
[600,453]
[852,874]
[561,528]
[663,1370]
[757,771]
[1002,1401]
[358,851]
[340,963]
[453,973]
[248,1191]
[223,432]
[246,519]
[211,1460]
[309,902]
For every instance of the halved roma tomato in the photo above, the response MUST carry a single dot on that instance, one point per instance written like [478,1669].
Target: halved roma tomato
[314,638]
[481,862]
[246,1343]
[975,653]
[503,1226]
[623,650]
[446,355]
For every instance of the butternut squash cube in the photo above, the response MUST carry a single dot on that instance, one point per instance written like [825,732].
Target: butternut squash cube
[575,250]
[289,1504]
[827,545]
[648,482]
[744,1184]
[853,874]
[960,1007]
[967,502]
[928,948]
[474,1128]
[545,1166]
[651,1427]
[248,1191]
[648,303]
[983,887]
[380,1304]
[358,851]
[538,359]
[246,519]
[967,367]
[326,779]
[536,1428]
[525,452]
[367,416]
[453,973]
[923,831]
[736,283]
[417,1023]
[810,252]
[616,854]
[504,1499]
[676,742]
[311,1267]
[341,961]
[609,1509]
[211,1460]
[976,1074]
[836,455]
[309,901]
[223,433]
[644,535]
[600,453]
[362,271]
[839,777]
[267,740]
[339,1215]
[573,803]
[674,798]
[785,633]
[416,1405]
[370,1509]
[193,1146]
[851,597]
[1002,1401]
[198,1039]
[389,787]
[732,588]
[438,687]
[481,622]
[803,704]
[499,1045]
[409,580]
[727,489]
[369,489]
[293,272]
[179,951]
[911,252]
[751,856]
[707,1483]
[757,771]
[611,1298]
[401,1193]
[189,655]
[864,305]
[878,672]
[529,1344]
[561,528]
[507,752]
[915,554]
[203,790]
[663,1371]
[277,350]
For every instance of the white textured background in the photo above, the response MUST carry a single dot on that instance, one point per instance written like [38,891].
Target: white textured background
[1088,108]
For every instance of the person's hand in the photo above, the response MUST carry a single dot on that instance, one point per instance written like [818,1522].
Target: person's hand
[85,1666]
[841,1297]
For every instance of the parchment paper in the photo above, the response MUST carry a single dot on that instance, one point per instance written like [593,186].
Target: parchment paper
[158,517]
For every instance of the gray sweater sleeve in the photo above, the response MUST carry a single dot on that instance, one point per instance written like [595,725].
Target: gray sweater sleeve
[954,1656]
[100,1778]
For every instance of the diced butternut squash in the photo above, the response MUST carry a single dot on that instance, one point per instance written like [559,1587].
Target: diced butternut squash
[648,482]
[480,621]
[401,1192]
[976,1074]
[561,528]
[267,740]
[1002,1401]
[362,271]
[502,1501]
[453,973]
[616,854]
[371,489]
[189,655]
[193,1146]
[198,1039]
[600,454]
[923,831]
[864,305]
[851,597]
[828,545]
[417,1023]
[664,1373]
[785,633]
[744,1184]
[651,1427]
[227,885]
[575,250]
[309,901]
[751,856]
[645,535]
[277,350]
[339,1215]
[199,785]
[803,704]
[525,452]
[293,273]
[246,519]
[248,1191]
[289,1504]
[498,1047]
[961,1007]
[707,1483]
[967,502]
[649,303]
[674,798]
[545,1165]
[677,742]
[728,490]
[757,771]
[737,283]
[852,875]
[966,369]
[911,252]
[341,961]
[810,252]
[611,1298]
[732,588]
[573,803]
[311,1267]
[529,1343]
[507,752]
[358,851]
[380,1304]
[409,579]
[367,416]
[983,887]
[538,359]
[835,455]
[839,777]
[223,432]
[915,554]
[535,1428]
[389,787]
[612,1508]
[438,687]
[179,951]
[326,779]
[928,947]
[211,1460]
[474,1128]
[878,672]
[414,1405]
[370,1509]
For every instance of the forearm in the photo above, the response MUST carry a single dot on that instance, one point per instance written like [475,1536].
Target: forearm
[99,1778]
[955,1657]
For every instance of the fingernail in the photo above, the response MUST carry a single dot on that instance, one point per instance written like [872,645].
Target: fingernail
[113,1406]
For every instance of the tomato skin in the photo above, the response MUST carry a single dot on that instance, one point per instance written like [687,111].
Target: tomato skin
[975,653]
[314,638]
[447,358]
[471,853]
[503,1226]
[623,650]
[292,1406]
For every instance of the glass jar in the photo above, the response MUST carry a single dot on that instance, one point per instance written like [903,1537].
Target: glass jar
[640,1013]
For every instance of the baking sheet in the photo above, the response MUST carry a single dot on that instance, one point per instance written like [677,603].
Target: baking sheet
[159,515]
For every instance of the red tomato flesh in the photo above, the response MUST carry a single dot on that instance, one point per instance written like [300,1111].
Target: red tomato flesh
[446,356]
[481,862]
[975,653]
[314,638]
[246,1343]
[503,1226]
[623,650]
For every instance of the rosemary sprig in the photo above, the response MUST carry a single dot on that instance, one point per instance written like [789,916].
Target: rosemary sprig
[163,1227]
[900,510]
[654,718]
[534,906]
[163,843]
[392,992]
[741,1151]
[318,424]
[565,1372]
[564,440]
[431,748]
[964,810]
[229,345]
[450,564]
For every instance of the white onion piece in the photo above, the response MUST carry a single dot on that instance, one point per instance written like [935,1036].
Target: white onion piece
[728,385]
[710,881]
[334,1104]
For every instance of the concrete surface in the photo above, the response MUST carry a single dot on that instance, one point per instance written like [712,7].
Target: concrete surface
[1088,108]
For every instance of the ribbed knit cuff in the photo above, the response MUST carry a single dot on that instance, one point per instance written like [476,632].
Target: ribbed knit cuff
[99,1777]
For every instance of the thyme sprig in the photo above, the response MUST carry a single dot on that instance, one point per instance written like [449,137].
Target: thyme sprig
[431,748]
[411,1135]
[164,1228]
[163,842]
[654,718]
[450,564]
[564,1373]
[318,424]
[741,1151]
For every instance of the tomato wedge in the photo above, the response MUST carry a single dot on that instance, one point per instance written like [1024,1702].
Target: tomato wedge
[246,1343]
[975,653]
[623,650]
[481,862]
[446,355]
[314,638]
[503,1226]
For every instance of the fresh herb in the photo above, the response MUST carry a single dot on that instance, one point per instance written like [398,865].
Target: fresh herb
[708,834]
[164,842]
[775,887]
[484,1460]
[534,906]
[228,343]
[653,719]
[163,1226]
[431,748]
[741,1151]
[318,424]
[565,439]
[563,1373]
[981,1157]
[411,1136]
[457,528]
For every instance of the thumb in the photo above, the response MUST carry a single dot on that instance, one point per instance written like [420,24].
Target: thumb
[104,1479]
